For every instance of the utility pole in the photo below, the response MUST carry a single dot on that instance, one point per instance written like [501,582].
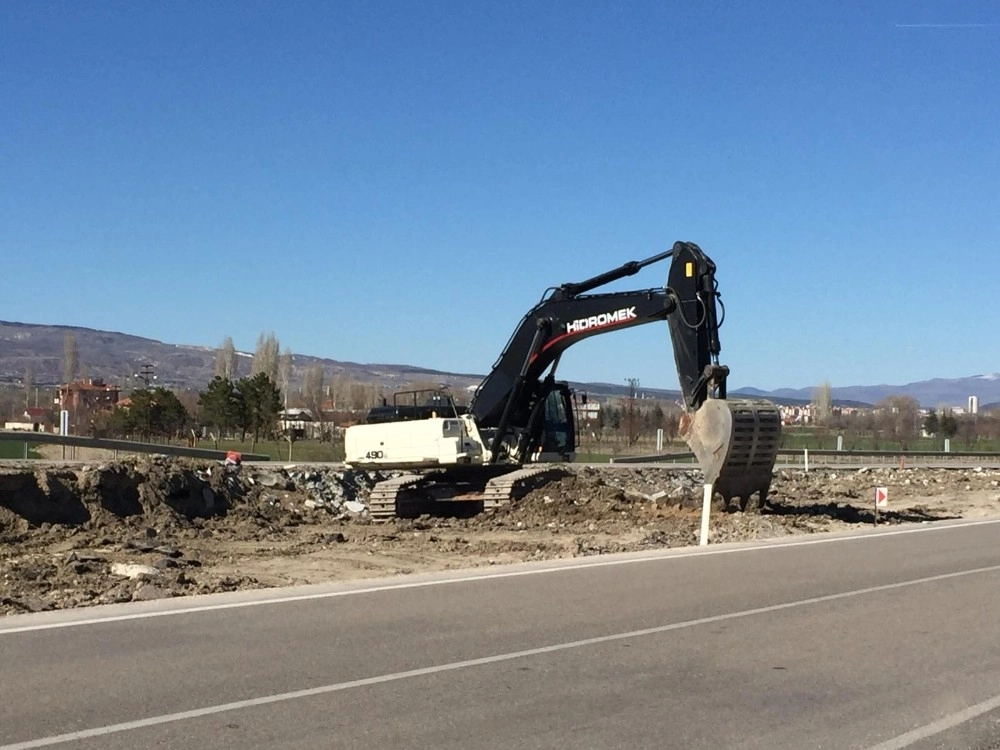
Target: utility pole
[146,375]
[633,385]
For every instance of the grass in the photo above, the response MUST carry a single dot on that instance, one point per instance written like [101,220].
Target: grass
[800,439]
[13,449]
[302,450]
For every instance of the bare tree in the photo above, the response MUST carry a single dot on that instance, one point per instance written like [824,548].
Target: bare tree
[26,382]
[71,358]
[8,403]
[265,356]
[339,391]
[362,396]
[314,395]
[226,360]
[899,418]
[822,402]
[285,372]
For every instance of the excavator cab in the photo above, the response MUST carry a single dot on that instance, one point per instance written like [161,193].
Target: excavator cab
[542,430]
[551,433]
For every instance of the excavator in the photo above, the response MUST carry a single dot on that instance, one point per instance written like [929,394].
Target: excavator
[519,424]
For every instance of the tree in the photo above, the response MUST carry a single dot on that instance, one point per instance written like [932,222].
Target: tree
[362,396]
[314,395]
[822,402]
[221,406]
[948,423]
[285,372]
[265,357]
[157,412]
[899,417]
[261,402]
[71,358]
[654,418]
[226,359]
[614,418]
[931,423]
[114,423]
[27,387]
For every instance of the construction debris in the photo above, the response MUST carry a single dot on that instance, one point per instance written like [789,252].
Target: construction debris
[75,535]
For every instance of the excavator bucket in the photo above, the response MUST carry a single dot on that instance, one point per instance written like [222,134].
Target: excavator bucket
[736,443]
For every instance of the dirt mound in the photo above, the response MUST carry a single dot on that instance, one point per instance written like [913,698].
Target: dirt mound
[143,529]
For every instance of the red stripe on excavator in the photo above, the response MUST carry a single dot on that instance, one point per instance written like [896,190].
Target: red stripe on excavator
[561,336]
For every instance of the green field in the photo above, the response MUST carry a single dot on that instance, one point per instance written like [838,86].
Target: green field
[13,449]
[302,450]
[310,451]
[803,438]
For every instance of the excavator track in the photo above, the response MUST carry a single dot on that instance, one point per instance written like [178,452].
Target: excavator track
[385,496]
[490,487]
[500,490]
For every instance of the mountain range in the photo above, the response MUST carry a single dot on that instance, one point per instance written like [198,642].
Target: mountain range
[117,357]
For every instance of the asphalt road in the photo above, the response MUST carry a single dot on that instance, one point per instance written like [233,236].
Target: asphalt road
[884,641]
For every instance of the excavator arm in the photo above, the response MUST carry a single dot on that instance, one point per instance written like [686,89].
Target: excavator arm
[735,441]
[567,315]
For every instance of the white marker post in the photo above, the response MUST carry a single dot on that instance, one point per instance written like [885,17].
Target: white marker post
[706,508]
[805,452]
[881,500]
[64,427]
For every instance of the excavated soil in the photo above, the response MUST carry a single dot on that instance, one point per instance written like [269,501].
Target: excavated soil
[77,535]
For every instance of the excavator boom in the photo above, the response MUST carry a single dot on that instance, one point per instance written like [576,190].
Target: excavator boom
[734,440]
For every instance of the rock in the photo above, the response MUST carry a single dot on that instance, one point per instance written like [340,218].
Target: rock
[354,506]
[273,480]
[133,571]
[87,557]
[168,551]
[165,562]
[148,593]
[141,545]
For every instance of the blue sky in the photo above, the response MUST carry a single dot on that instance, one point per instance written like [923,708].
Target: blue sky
[399,181]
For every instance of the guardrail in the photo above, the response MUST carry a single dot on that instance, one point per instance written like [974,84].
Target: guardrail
[806,453]
[124,446]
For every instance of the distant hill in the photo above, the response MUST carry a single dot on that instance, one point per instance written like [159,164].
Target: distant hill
[116,357]
[934,393]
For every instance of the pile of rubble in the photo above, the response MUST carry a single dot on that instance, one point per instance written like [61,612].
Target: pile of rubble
[150,528]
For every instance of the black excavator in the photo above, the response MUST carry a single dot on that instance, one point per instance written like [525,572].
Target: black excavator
[520,423]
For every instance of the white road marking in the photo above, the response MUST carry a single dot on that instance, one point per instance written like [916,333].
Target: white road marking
[473,575]
[450,667]
[936,727]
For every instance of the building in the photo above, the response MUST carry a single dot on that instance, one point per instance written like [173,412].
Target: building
[797,415]
[34,419]
[973,404]
[588,412]
[88,394]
